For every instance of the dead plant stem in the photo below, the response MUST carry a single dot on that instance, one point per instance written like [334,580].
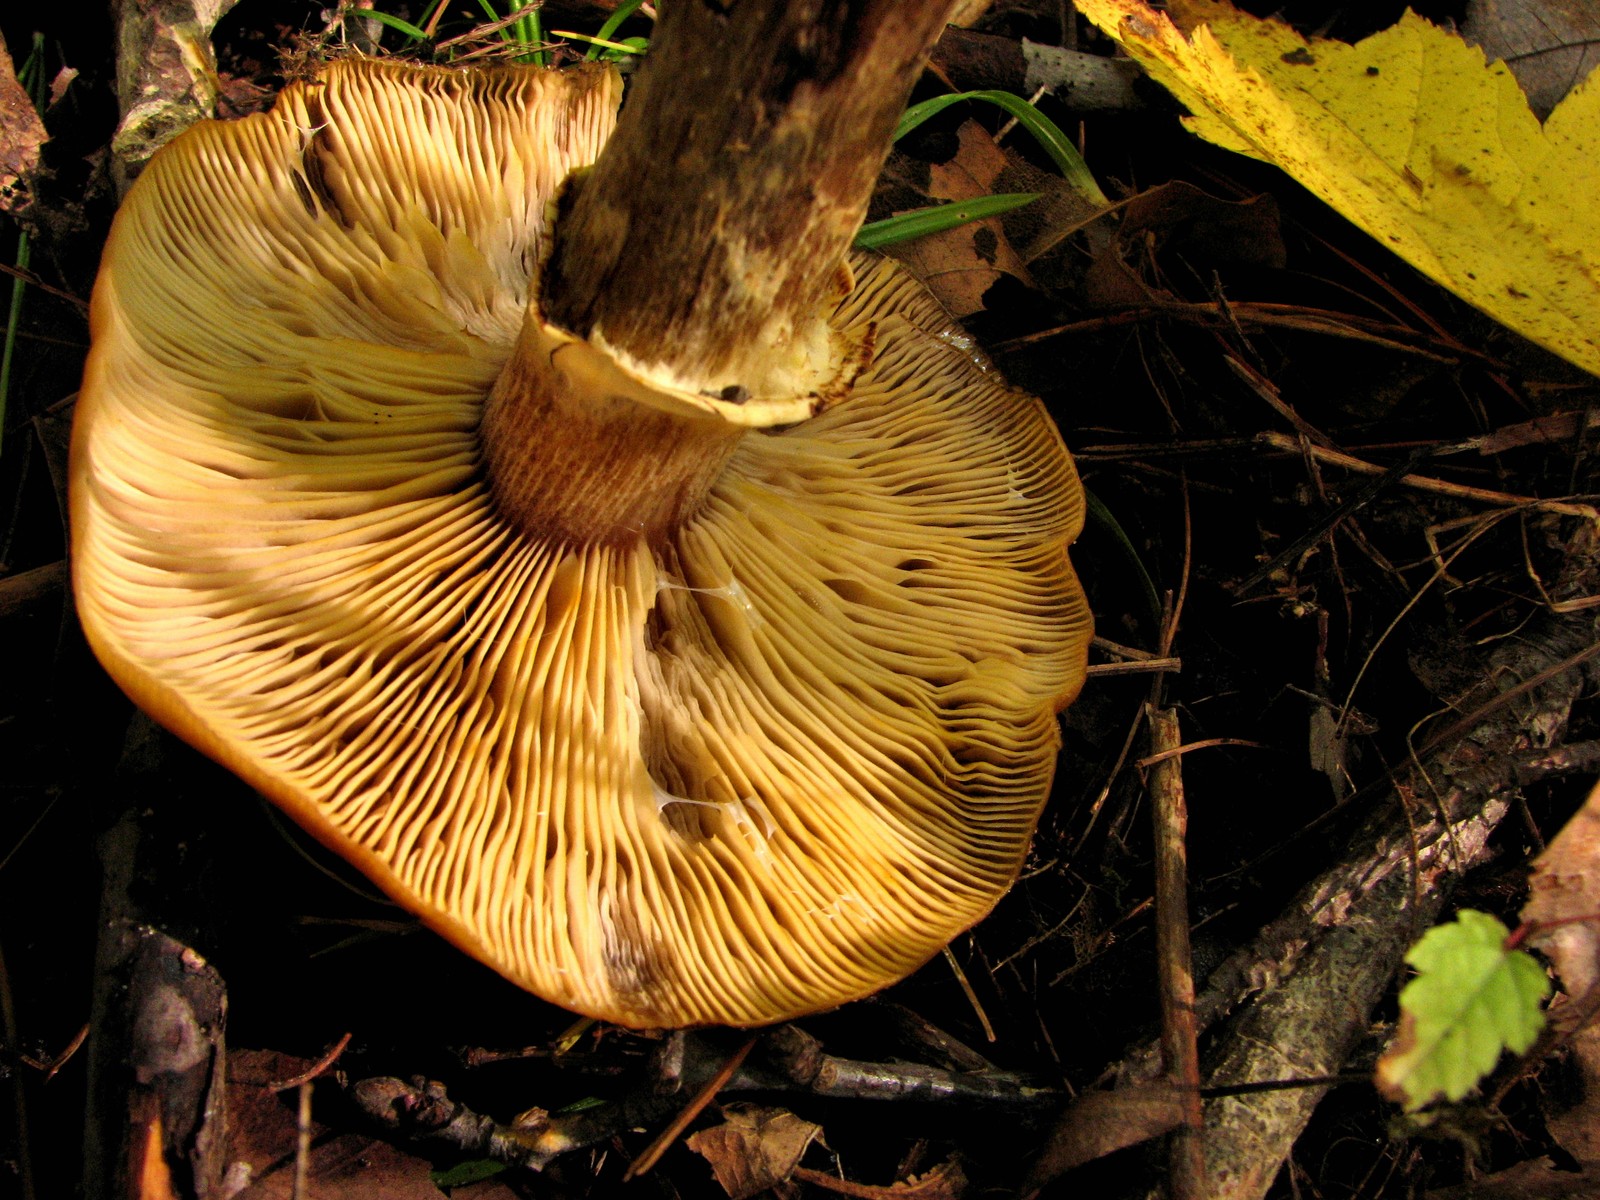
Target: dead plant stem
[1174,958]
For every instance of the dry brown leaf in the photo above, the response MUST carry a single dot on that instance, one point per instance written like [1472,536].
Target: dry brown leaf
[960,265]
[1564,906]
[1533,1180]
[263,1133]
[1549,44]
[21,135]
[754,1148]
[1204,232]
[1098,1123]
[1564,900]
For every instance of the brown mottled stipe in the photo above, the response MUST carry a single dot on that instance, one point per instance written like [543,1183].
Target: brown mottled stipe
[592,466]
[707,259]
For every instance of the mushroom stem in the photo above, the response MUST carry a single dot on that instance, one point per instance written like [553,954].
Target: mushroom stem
[705,242]
[583,452]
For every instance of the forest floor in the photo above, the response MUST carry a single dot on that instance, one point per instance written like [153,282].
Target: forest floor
[1291,435]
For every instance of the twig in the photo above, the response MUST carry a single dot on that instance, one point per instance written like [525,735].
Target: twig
[422,1111]
[1352,504]
[302,1143]
[1118,650]
[28,587]
[653,1152]
[67,1051]
[1143,666]
[1313,975]
[33,281]
[1284,316]
[1173,958]
[1424,483]
[323,1062]
[1171,752]
[969,993]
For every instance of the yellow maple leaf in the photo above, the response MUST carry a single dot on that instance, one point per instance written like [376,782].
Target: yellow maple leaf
[1411,136]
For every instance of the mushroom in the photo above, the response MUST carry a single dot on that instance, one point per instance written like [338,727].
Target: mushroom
[673,704]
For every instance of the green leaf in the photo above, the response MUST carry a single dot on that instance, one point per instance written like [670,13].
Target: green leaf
[586,1104]
[394,22]
[1472,998]
[920,222]
[1046,132]
[608,31]
[474,1170]
[530,32]
[604,47]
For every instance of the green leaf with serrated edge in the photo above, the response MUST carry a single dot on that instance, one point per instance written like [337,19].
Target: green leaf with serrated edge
[1472,998]
[474,1170]
[920,222]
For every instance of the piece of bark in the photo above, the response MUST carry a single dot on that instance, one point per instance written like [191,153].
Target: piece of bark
[156,1047]
[1082,83]
[1174,960]
[1320,969]
[166,76]
[708,263]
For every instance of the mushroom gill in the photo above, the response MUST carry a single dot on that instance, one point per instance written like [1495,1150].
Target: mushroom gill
[756,758]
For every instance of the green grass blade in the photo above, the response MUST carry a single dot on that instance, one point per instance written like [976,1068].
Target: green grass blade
[396,23]
[428,14]
[1046,132]
[608,31]
[530,32]
[1103,519]
[13,319]
[488,10]
[627,46]
[921,222]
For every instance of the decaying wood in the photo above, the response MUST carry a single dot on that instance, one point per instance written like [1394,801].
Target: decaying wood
[1082,82]
[166,76]
[1174,959]
[708,261]
[1302,992]
[156,1046]
[785,1060]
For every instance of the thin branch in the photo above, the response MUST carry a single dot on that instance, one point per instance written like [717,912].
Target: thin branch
[1174,960]
[653,1152]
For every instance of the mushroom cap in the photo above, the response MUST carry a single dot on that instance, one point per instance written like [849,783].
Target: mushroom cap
[765,765]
